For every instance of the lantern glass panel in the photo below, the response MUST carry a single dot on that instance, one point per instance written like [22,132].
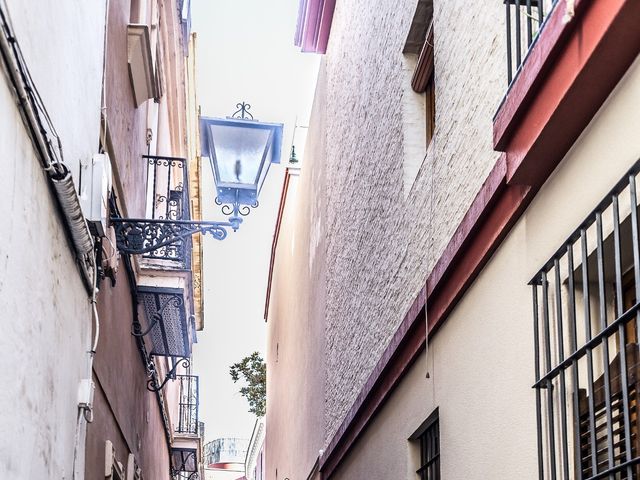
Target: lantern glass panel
[239,153]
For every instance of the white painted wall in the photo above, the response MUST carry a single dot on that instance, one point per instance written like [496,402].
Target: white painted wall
[44,309]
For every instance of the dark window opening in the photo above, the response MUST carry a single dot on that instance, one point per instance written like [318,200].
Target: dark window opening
[428,437]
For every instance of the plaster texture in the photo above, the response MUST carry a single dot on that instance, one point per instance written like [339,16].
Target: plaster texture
[380,245]
[374,207]
[45,313]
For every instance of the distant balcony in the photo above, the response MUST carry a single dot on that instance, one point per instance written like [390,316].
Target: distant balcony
[186,448]
[168,199]
[525,20]
[188,403]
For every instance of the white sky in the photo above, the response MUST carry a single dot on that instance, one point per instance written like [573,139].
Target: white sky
[245,52]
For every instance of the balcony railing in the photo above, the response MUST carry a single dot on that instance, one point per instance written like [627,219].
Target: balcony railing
[188,402]
[524,22]
[168,199]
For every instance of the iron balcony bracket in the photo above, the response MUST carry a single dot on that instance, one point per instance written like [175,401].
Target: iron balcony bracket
[152,383]
[138,236]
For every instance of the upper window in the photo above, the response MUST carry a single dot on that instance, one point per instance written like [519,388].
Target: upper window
[420,42]
[418,98]
[587,363]
[428,438]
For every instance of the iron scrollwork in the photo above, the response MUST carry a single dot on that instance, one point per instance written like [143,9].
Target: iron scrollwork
[243,111]
[136,330]
[235,209]
[152,383]
[139,236]
[178,470]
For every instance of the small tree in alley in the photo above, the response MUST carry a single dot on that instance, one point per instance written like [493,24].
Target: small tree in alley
[252,370]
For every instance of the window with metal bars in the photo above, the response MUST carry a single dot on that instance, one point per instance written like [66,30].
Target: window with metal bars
[428,438]
[587,361]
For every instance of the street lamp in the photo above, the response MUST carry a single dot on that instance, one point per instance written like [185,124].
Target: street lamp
[240,150]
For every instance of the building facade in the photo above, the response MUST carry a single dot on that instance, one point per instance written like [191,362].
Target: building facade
[464,227]
[100,122]
[48,264]
[146,401]
[254,466]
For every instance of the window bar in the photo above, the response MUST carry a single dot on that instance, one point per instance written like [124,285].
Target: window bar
[605,341]
[540,13]
[508,24]
[636,246]
[587,326]
[621,333]
[563,384]
[168,197]
[536,342]
[529,25]
[547,352]
[518,39]
[152,166]
[573,345]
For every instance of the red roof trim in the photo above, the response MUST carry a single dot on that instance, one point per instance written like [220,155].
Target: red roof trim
[274,242]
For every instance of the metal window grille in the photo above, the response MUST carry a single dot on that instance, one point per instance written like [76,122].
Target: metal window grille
[168,199]
[430,451]
[524,22]
[188,419]
[587,365]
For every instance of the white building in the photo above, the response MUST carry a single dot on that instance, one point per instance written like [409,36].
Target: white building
[254,464]
[53,60]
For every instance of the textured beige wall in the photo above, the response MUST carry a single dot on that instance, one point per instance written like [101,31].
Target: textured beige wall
[366,233]
[381,246]
[355,240]
[481,360]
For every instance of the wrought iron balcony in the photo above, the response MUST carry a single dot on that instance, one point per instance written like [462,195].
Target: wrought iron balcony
[524,22]
[188,402]
[170,327]
[157,236]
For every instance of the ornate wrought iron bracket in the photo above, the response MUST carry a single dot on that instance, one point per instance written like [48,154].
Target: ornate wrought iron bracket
[152,383]
[139,235]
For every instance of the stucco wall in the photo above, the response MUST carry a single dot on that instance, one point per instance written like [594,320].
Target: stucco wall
[367,229]
[295,333]
[380,246]
[45,318]
[481,359]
